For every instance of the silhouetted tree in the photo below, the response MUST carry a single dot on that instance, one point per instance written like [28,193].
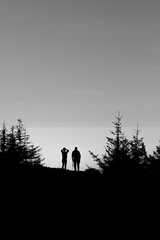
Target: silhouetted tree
[22,141]
[12,148]
[116,156]
[34,155]
[27,152]
[154,162]
[156,153]
[15,147]
[138,153]
[3,143]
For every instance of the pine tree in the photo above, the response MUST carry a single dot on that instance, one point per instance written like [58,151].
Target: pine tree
[34,156]
[12,149]
[116,156]
[15,147]
[138,152]
[27,152]
[3,143]
[157,153]
[154,166]
[21,141]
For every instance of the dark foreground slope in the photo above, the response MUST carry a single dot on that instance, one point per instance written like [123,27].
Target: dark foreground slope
[40,199]
[42,183]
[52,183]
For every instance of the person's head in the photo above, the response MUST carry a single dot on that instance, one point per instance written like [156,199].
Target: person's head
[76,148]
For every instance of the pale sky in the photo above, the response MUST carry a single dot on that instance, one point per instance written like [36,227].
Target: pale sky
[74,64]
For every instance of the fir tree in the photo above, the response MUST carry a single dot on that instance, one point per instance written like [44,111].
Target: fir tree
[12,149]
[15,147]
[154,166]
[138,152]
[34,157]
[3,143]
[27,152]
[21,141]
[156,153]
[3,138]
[116,156]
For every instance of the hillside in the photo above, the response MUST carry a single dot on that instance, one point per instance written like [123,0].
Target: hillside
[44,180]
[38,198]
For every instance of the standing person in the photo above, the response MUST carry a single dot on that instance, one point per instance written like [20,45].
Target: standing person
[76,157]
[64,152]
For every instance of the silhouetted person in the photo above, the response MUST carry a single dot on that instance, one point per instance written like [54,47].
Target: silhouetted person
[64,152]
[76,157]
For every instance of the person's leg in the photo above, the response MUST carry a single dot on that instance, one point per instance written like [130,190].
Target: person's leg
[78,166]
[65,164]
[75,165]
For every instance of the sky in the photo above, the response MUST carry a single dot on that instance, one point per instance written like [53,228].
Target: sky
[68,66]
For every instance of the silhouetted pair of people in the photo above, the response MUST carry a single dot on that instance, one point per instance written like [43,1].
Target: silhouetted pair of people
[76,157]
